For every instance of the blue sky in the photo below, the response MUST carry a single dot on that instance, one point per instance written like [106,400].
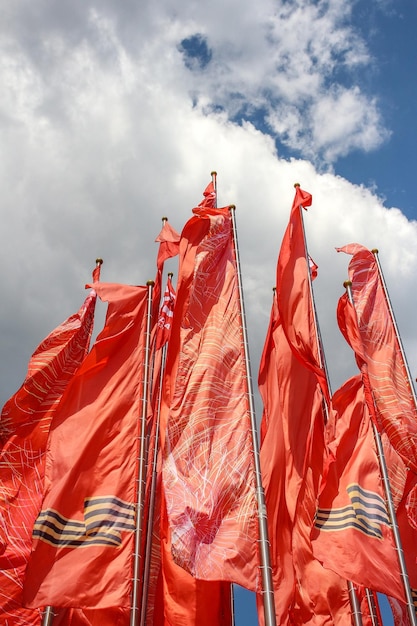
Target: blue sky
[114,114]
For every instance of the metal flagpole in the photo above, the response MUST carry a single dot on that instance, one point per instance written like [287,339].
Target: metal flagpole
[373,613]
[152,495]
[214,181]
[266,570]
[48,616]
[141,475]
[407,369]
[390,502]
[353,598]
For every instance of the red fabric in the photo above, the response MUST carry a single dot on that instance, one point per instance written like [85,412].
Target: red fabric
[369,607]
[294,294]
[24,428]
[208,476]
[352,518]
[85,617]
[186,600]
[379,355]
[209,197]
[399,612]
[314,268]
[168,240]
[408,535]
[165,316]
[91,463]
[292,384]
[273,459]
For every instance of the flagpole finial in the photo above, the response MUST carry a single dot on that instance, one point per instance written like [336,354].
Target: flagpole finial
[99,261]
[347,283]
[170,274]
[374,250]
[150,283]
[296,185]
[232,207]
[164,219]
[213,173]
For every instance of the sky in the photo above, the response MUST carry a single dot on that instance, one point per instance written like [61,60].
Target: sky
[113,115]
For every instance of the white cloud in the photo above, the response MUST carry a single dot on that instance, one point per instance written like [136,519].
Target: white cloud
[101,138]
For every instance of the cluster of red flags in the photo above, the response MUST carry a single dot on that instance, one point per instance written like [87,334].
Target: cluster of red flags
[71,496]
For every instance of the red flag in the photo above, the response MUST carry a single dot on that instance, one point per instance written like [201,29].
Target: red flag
[24,427]
[210,197]
[352,518]
[165,315]
[371,333]
[208,476]
[187,601]
[314,268]
[84,533]
[294,294]
[399,612]
[168,240]
[273,459]
[292,451]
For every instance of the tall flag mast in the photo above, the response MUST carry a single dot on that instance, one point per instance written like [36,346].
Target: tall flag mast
[142,462]
[267,584]
[266,569]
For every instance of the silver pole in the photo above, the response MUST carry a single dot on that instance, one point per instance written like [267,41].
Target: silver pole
[141,477]
[388,301]
[214,181]
[390,503]
[372,607]
[149,530]
[266,570]
[355,605]
[48,616]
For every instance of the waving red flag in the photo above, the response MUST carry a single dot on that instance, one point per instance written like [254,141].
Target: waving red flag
[208,476]
[292,384]
[84,533]
[295,304]
[352,517]
[168,240]
[24,428]
[371,333]
[165,315]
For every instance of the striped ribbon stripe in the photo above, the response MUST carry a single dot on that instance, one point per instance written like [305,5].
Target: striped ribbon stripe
[366,513]
[105,519]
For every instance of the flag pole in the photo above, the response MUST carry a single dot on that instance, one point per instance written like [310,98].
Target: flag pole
[394,323]
[353,598]
[390,501]
[266,570]
[152,494]
[214,181]
[141,473]
[48,616]
[373,608]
